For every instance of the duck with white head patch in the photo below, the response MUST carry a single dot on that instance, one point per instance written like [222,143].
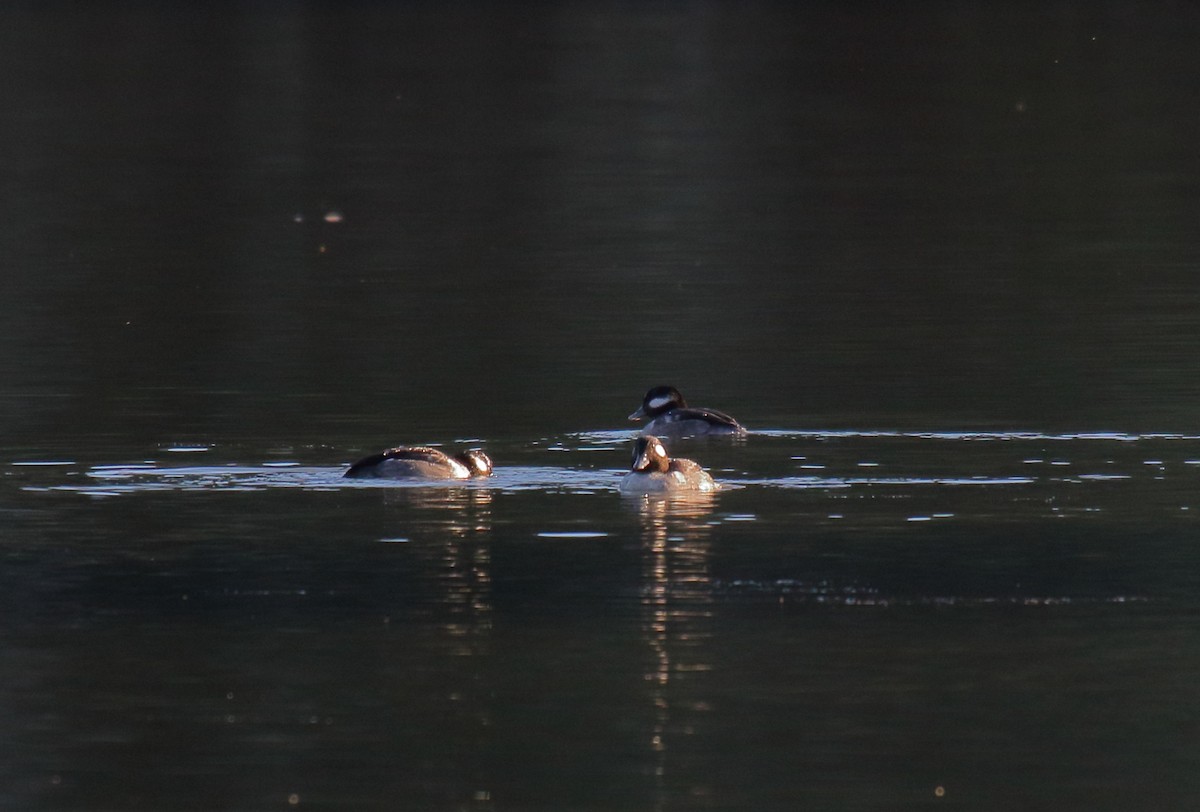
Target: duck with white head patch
[653,471]
[670,415]
[422,462]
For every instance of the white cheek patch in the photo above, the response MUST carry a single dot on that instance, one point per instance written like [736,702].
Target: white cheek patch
[659,402]
[658,449]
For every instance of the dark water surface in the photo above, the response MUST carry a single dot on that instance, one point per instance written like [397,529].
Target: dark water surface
[941,259]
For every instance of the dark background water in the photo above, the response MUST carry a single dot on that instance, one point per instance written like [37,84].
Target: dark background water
[295,233]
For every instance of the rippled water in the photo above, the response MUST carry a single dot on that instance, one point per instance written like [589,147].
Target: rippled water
[772,484]
[944,612]
[940,259]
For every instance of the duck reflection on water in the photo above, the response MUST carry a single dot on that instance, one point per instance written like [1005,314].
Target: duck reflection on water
[460,508]
[447,532]
[676,607]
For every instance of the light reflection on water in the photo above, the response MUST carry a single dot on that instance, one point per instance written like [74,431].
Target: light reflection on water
[482,619]
[514,220]
[862,473]
[462,561]
[676,601]
[774,483]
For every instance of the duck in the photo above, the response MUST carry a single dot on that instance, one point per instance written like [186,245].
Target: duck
[653,471]
[670,415]
[422,462]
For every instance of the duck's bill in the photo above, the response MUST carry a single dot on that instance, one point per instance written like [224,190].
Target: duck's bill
[638,415]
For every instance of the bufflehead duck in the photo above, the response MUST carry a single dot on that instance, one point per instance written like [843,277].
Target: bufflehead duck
[670,415]
[654,472]
[420,462]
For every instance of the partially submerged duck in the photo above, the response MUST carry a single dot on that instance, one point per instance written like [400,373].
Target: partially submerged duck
[422,462]
[670,415]
[653,471]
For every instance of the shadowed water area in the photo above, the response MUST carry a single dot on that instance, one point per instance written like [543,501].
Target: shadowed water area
[940,260]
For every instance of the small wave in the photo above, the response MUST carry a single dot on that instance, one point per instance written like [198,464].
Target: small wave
[115,480]
[784,591]
[974,436]
[809,482]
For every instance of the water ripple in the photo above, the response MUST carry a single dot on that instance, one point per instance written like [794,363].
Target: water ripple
[114,480]
[769,459]
[974,436]
[612,437]
[791,591]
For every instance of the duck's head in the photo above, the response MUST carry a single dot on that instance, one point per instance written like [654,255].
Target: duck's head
[658,400]
[478,463]
[650,455]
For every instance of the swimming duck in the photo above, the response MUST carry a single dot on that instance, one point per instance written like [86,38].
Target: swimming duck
[655,472]
[670,415]
[421,462]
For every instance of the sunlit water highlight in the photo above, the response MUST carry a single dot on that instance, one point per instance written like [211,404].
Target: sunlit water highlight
[238,233]
[835,459]
[773,483]
[854,480]
[873,527]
